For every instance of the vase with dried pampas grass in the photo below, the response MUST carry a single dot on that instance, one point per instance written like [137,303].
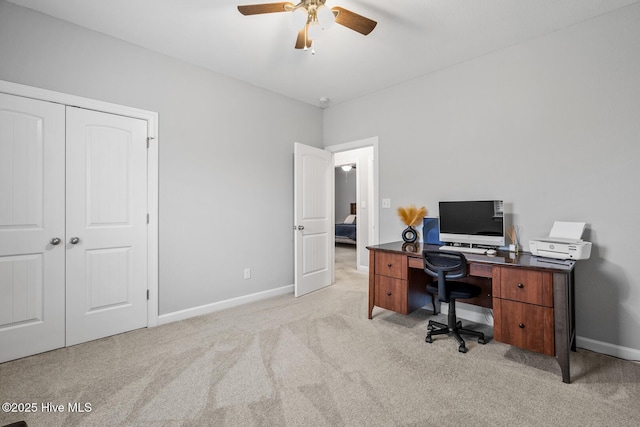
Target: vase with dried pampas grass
[411,217]
[513,232]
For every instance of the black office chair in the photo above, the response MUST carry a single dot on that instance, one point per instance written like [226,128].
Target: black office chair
[448,266]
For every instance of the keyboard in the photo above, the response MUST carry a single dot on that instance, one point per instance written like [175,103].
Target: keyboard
[463,249]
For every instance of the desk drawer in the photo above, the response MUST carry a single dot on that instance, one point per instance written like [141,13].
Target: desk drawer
[391,294]
[481,270]
[530,286]
[524,325]
[391,265]
[417,263]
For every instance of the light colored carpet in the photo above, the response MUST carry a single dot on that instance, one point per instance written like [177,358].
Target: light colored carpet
[316,360]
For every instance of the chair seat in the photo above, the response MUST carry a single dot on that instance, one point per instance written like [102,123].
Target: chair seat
[456,290]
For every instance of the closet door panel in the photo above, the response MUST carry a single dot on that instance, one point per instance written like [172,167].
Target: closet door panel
[106,224]
[32,205]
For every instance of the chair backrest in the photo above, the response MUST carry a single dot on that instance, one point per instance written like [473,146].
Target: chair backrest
[445,266]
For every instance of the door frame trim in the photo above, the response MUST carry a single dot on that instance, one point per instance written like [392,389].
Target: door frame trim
[151,118]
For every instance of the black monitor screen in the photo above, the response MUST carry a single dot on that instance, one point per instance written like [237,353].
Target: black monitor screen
[475,218]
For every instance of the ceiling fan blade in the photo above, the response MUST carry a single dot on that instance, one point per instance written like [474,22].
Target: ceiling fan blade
[302,36]
[354,21]
[255,9]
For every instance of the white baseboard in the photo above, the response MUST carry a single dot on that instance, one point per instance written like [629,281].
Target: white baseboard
[610,349]
[221,305]
[472,313]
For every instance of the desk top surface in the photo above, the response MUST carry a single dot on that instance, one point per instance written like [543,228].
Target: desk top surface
[521,259]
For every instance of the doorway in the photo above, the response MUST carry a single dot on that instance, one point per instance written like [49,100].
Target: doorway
[361,155]
[346,220]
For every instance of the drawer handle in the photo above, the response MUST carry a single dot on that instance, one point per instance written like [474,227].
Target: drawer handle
[388,294]
[521,325]
[520,285]
[389,265]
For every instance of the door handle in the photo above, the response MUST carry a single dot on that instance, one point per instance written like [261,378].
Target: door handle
[301,227]
[74,240]
[55,241]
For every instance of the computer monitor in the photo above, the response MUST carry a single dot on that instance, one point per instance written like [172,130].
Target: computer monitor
[472,222]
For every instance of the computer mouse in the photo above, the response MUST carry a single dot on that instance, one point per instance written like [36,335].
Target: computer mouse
[491,252]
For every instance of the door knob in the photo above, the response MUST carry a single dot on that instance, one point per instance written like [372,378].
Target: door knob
[74,240]
[55,241]
[301,227]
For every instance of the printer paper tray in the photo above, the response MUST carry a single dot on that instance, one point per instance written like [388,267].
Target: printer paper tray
[559,240]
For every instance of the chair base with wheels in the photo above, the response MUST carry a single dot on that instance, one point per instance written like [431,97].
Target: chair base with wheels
[448,266]
[453,328]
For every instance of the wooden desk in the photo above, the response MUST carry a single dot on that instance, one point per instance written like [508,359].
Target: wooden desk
[532,298]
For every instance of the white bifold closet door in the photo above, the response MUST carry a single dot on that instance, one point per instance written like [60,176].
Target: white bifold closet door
[32,210]
[106,241]
[73,224]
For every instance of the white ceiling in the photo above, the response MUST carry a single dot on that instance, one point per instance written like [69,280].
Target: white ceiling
[412,38]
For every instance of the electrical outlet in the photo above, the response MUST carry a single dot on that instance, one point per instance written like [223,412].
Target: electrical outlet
[386,203]
[247,273]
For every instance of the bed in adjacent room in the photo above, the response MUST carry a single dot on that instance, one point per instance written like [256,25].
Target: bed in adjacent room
[346,231]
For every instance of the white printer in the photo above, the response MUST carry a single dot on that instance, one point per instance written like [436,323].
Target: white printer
[564,242]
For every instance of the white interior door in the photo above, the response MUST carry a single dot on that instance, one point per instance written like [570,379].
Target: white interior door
[106,224]
[314,223]
[32,198]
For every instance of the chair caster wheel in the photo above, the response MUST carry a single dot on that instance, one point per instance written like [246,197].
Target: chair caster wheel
[428,339]
[481,340]
[462,349]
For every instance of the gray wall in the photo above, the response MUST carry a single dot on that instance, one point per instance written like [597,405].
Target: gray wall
[552,126]
[226,159]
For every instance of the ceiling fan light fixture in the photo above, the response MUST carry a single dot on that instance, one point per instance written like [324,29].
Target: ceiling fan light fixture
[299,18]
[326,18]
